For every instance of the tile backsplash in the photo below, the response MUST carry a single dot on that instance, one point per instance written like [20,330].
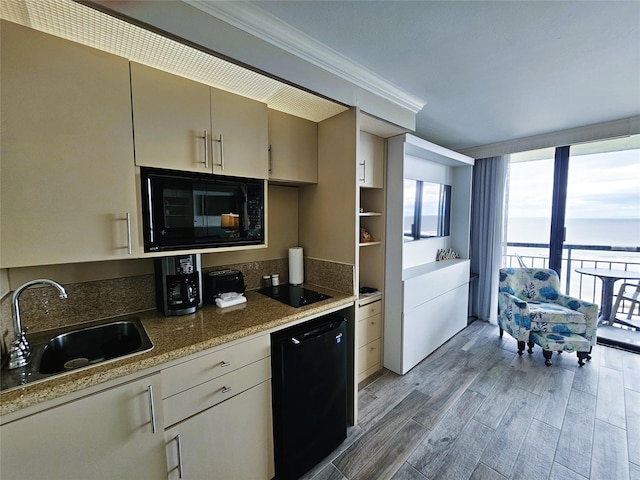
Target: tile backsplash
[42,309]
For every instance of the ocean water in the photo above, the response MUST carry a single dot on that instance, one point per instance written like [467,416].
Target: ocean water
[623,232]
[591,231]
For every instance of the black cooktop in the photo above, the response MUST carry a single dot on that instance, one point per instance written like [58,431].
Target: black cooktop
[293,295]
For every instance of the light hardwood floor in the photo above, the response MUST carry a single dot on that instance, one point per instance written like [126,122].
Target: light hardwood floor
[474,409]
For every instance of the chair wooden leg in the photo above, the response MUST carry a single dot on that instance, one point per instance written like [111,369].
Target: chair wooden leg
[530,349]
[582,356]
[520,347]
[547,357]
[501,332]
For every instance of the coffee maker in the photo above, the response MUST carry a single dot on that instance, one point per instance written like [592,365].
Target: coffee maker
[178,284]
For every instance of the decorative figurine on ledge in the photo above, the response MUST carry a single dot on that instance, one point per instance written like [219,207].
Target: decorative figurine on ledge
[365,237]
[444,254]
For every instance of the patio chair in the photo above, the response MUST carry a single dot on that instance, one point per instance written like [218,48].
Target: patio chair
[628,296]
[533,311]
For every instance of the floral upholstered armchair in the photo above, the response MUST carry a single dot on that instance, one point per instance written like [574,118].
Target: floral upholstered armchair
[533,311]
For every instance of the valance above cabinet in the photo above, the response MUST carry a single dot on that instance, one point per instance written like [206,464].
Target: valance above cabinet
[181,124]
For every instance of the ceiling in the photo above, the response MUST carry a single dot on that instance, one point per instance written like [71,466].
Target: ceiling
[488,72]
[472,73]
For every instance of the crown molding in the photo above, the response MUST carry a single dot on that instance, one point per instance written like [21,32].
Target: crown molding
[622,128]
[267,27]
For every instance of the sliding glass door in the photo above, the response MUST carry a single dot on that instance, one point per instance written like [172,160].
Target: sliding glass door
[575,207]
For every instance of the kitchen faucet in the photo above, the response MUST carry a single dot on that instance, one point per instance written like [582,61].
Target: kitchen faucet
[20,351]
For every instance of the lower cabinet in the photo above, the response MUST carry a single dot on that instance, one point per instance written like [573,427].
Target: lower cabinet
[207,417]
[368,337]
[217,409]
[229,440]
[115,433]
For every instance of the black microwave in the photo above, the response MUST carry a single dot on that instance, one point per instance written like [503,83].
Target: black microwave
[183,210]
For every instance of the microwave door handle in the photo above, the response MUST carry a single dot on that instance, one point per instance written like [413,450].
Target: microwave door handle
[245,210]
[150,204]
[203,209]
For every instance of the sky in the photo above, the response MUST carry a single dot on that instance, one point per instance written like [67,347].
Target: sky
[603,185]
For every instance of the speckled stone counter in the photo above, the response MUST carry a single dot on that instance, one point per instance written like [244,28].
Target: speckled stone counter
[176,337]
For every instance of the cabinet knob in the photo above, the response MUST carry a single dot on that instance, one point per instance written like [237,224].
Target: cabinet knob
[225,364]
[226,389]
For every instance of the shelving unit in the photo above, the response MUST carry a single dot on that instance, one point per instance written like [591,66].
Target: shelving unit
[370,255]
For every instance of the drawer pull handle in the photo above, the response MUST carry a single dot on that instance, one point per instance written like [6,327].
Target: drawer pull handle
[225,364]
[152,409]
[179,447]
[226,389]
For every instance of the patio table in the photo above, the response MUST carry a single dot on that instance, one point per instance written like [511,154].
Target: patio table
[609,277]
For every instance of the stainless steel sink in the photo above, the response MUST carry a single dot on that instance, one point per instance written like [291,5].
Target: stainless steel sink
[58,352]
[89,346]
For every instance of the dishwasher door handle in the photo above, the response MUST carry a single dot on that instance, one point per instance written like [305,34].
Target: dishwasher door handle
[317,332]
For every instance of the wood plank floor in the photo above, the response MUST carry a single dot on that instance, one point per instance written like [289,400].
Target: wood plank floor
[474,409]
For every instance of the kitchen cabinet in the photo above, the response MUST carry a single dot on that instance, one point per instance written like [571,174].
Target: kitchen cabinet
[106,435]
[181,124]
[371,248]
[171,117]
[68,191]
[371,161]
[239,135]
[230,440]
[368,336]
[218,410]
[293,148]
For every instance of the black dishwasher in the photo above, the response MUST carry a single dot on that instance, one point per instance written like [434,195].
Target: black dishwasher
[309,378]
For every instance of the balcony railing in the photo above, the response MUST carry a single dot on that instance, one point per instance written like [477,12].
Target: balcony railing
[575,284]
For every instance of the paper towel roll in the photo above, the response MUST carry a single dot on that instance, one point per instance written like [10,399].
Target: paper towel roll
[296,266]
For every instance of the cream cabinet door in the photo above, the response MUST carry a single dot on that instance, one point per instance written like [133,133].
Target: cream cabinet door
[170,120]
[239,135]
[107,435]
[68,191]
[293,148]
[371,161]
[231,440]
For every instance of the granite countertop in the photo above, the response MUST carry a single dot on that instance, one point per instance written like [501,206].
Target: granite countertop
[176,337]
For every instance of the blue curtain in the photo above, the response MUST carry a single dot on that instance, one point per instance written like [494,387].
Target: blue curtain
[487,227]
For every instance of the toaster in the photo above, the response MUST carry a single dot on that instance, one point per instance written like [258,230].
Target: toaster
[218,282]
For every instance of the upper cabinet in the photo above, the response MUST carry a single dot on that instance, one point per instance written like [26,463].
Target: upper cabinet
[67,175]
[371,161]
[185,125]
[293,148]
[239,128]
[171,118]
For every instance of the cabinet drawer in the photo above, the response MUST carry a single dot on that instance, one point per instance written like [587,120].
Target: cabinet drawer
[202,369]
[369,329]
[208,394]
[370,309]
[369,356]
